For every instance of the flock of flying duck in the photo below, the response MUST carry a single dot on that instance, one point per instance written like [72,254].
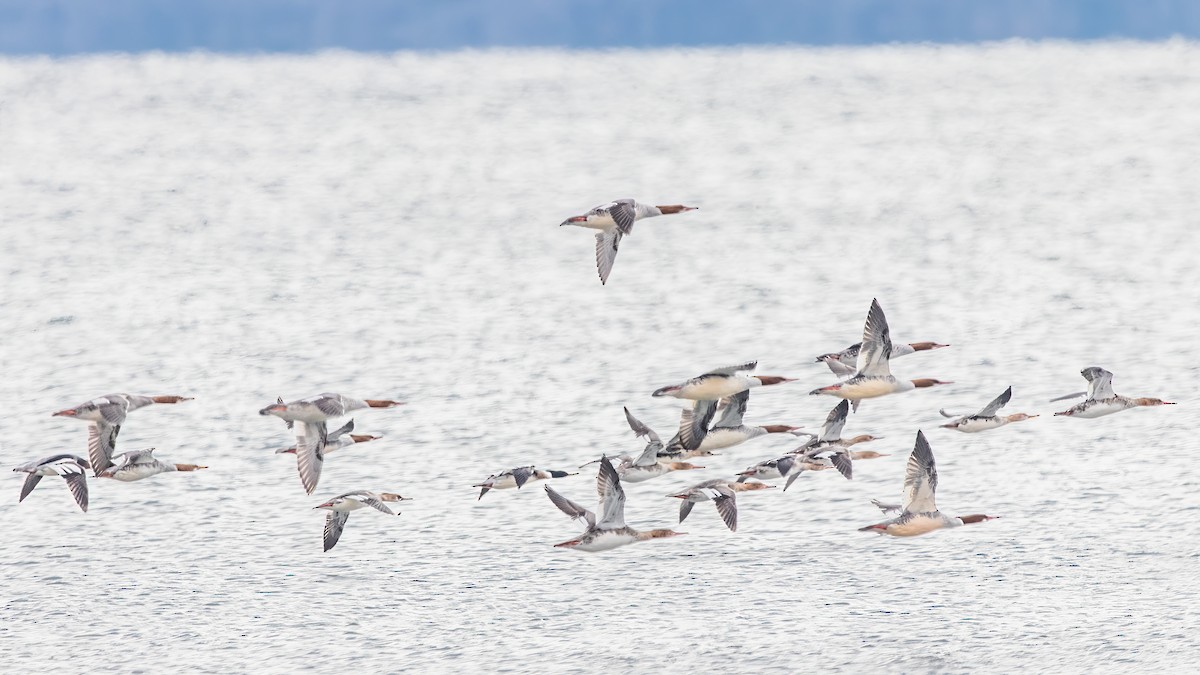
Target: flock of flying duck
[865,365]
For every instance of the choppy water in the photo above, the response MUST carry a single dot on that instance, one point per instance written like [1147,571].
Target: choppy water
[240,228]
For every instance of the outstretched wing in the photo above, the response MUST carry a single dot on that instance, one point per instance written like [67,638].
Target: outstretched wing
[102,445]
[693,423]
[999,402]
[730,370]
[1099,383]
[335,522]
[77,482]
[521,475]
[685,507]
[727,507]
[373,501]
[607,243]
[31,481]
[843,463]
[640,429]
[876,346]
[920,478]
[612,503]
[735,409]
[340,431]
[834,421]
[310,454]
[569,507]
[623,213]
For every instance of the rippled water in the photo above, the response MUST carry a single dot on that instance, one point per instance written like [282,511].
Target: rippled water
[240,228]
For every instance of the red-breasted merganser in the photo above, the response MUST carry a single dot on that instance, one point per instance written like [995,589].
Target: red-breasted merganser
[339,509]
[845,362]
[517,478]
[873,376]
[722,493]
[72,468]
[677,448]
[105,415]
[920,514]
[609,530]
[337,439]
[729,430]
[312,434]
[1101,400]
[717,384]
[138,464]
[615,220]
[987,418]
[788,466]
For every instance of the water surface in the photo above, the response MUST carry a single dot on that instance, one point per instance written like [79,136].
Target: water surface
[240,228]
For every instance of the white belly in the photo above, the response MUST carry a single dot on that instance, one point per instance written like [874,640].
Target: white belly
[866,389]
[637,474]
[139,471]
[505,483]
[718,439]
[916,526]
[602,222]
[714,388]
[1100,409]
[607,541]
[975,426]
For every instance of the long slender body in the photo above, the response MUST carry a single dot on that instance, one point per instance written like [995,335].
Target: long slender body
[309,417]
[608,531]
[517,478]
[987,418]
[729,430]
[919,513]
[648,464]
[1101,400]
[614,220]
[722,493]
[341,506]
[873,376]
[73,469]
[717,384]
[845,362]
[139,464]
[105,415]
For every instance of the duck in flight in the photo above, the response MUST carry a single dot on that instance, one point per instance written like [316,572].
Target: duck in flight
[341,506]
[729,430]
[829,450]
[337,439]
[919,513]
[717,384]
[614,220]
[312,435]
[72,468]
[844,363]
[723,494]
[987,418]
[1101,400]
[517,478]
[608,531]
[104,416]
[138,464]
[873,375]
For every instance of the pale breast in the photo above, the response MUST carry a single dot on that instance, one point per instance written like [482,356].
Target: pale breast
[723,438]
[916,526]
[870,388]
